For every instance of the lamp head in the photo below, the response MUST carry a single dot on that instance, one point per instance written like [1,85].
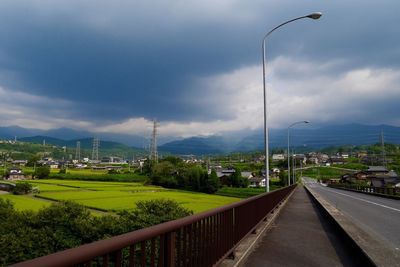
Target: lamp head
[315,15]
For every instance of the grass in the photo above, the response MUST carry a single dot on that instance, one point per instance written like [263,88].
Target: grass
[243,192]
[239,192]
[101,176]
[323,173]
[114,196]
[26,202]
[354,166]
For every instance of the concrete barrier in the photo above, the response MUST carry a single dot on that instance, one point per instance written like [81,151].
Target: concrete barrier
[375,251]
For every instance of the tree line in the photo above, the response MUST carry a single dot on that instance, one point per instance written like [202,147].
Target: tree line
[172,172]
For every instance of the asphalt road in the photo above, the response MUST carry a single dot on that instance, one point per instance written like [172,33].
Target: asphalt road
[376,215]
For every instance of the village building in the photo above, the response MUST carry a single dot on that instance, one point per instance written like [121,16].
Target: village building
[278,157]
[14,174]
[256,181]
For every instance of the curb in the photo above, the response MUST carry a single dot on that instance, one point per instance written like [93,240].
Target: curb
[376,252]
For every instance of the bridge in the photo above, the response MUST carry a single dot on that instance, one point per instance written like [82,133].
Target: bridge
[309,225]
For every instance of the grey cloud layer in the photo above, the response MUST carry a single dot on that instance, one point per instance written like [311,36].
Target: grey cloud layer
[125,59]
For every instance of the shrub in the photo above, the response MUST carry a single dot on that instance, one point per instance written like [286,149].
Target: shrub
[42,172]
[22,188]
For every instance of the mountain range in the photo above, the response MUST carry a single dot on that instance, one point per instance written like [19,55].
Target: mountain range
[245,140]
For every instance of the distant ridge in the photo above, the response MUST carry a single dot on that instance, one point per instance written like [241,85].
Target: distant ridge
[10,132]
[248,140]
[86,143]
[325,136]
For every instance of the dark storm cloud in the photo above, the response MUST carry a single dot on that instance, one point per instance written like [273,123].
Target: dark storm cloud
[123,60]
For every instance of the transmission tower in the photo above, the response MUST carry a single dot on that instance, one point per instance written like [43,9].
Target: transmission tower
[78,151]
[153,144]
[383,154]
[95,151]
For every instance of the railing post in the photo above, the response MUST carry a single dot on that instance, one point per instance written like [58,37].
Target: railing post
[169,249]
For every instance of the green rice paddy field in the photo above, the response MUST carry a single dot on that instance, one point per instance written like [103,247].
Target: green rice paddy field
[111,196]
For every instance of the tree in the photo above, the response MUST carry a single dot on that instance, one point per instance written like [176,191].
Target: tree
[22,188]
[174,160]
[212,183]
[162,174]
[32,160]
[234,179]
[42,172]
[151,212]
[283,178]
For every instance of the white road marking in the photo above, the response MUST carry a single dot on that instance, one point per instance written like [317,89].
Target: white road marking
[370,202]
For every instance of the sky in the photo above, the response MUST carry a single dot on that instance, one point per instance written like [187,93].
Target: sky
[195,66]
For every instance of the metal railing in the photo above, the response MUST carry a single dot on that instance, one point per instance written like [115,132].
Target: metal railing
[388,191]
[203,239]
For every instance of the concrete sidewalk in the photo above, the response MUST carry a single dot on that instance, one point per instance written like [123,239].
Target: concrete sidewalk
[301,236]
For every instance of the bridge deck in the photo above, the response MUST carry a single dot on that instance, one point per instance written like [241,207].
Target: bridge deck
[301,236]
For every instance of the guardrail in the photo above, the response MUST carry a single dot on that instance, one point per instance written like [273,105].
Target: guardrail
[203,239]
[387,191]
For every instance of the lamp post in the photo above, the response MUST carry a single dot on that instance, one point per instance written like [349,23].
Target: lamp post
[288,146]
[315,15]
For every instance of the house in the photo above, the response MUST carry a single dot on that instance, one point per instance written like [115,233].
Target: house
[300,158]
[323,158]
[256,181]
[15,173]
[247,175]
[112,159]
[382,177]
[377,176]
[362,154]
[313,160]
[116,168]
[19,162]
[54,165]
[276,171]
[345,155]
[338,160]
[377,170]
[224,174]
[354,177]
[391,179]
[277,157]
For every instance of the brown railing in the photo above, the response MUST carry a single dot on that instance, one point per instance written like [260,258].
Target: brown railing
[203,239]
[387,191]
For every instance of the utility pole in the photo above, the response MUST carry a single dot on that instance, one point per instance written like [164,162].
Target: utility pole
[293,168]
[301,169]
[153,144]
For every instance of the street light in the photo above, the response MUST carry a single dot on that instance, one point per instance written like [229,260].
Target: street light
[288,146]
[315,15]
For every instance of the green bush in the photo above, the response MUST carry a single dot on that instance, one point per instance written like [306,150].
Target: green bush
[22,188]
[42,172]
[112,171]
[27,235]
